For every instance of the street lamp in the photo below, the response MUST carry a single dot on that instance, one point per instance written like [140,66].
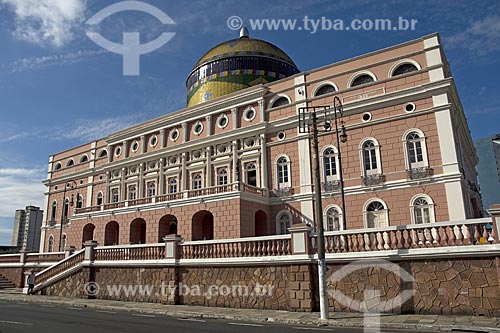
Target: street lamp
[342,137]
[303,128]
[72,184]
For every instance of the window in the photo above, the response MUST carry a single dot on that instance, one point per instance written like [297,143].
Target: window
[115,195]
[70,163]
[79,201]
[63,242]
[333,219]
[376,214]
[222,177]
[370,156]
[58,166]
[196,181]
[172,185]
[249,114]
[151,189]
[66,210]
[99,199]
[103,153]
[135,146]
[50,247]
[198,128]
[174,134]
[283,222]
[132,192]
[325,89]
[422,209]
[362,79]
[222,121]
[281,136]
[280,101]
[84,159]
[330,165]
[251,174]
[118,151]
[415,150]
[153,140]
[283,172]
[404,68]
[53,212]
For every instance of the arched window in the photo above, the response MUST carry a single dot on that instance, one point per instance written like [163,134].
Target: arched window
[362,79]
[283,222]
[79,201]
[151,189]
[222,177]
[70,163]
[53,213]
[50,245]
[333,219]
[58,166]
[99,199]
[422,209]
[115,195]
[172,185]
[325,89]
[283,172]
[63,242]
[330,165]
[415,149]
[132,192]
[376,214]
[196,181]
[251,174]
[404,68]
[84,159]
[280,101]
[103,153]
[66,210]
[371,158]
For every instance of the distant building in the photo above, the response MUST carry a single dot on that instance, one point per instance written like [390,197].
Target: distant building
[488,169]
[27,224]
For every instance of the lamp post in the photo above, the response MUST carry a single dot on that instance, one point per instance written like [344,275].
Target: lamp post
[337,106]
[303,120]
[65,216]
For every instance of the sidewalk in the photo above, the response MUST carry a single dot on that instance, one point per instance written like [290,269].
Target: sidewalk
[338,319]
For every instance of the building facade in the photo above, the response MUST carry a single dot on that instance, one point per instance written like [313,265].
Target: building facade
[27,228]
[488,169]
[235,163]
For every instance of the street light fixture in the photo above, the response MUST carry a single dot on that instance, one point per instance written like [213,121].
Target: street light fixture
[327,126]
[64,214]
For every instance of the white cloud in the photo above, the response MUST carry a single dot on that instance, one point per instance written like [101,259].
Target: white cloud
[480,38]
[46,22]
[20,187]
[36,63]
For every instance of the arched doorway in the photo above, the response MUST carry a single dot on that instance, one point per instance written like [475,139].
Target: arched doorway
[167,226]
[111,233]
[138,231]
[260,223]
[203,225]
[88,232]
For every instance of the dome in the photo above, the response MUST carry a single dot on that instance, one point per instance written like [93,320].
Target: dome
[234,65]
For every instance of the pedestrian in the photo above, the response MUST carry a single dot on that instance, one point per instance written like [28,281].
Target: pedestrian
[31,282]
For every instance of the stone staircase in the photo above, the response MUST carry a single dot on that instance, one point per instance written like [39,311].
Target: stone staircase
[4,283]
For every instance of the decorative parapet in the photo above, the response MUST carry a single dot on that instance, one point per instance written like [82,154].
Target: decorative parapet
[283,192]
[419,173]
[373,180]
[330,186]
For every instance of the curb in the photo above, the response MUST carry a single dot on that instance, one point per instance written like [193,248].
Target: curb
[237,317]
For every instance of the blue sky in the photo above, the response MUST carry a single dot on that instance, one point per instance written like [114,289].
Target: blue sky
[58,89]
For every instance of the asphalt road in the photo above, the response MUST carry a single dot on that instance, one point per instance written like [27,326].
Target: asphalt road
[40,318]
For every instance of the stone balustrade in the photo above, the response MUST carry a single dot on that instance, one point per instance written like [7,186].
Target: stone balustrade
[10,258]
[131,252]
[62,266]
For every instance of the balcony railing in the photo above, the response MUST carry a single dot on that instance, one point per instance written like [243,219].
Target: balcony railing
[283,192]
[330,186]
[233,187]
[419,173]
[373,180]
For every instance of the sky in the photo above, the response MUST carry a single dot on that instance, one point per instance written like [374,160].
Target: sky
[59,89]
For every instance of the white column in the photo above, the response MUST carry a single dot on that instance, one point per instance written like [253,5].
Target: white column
[106,192]
[234,115]
[144,143]
[209,167]
[184,132]
[141,180]
[184,173]
[209,124]
[261,110]
[235,159]
[125,149]
[122,185]
[110,154]
[163,138]
[263,162]
[161,177]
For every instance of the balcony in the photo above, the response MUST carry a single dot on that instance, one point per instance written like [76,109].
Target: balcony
[419,173]
[207,191]
[330,186]
[283,192]
[373,180]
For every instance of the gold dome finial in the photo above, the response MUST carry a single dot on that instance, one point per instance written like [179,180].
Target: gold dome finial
[244,32]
